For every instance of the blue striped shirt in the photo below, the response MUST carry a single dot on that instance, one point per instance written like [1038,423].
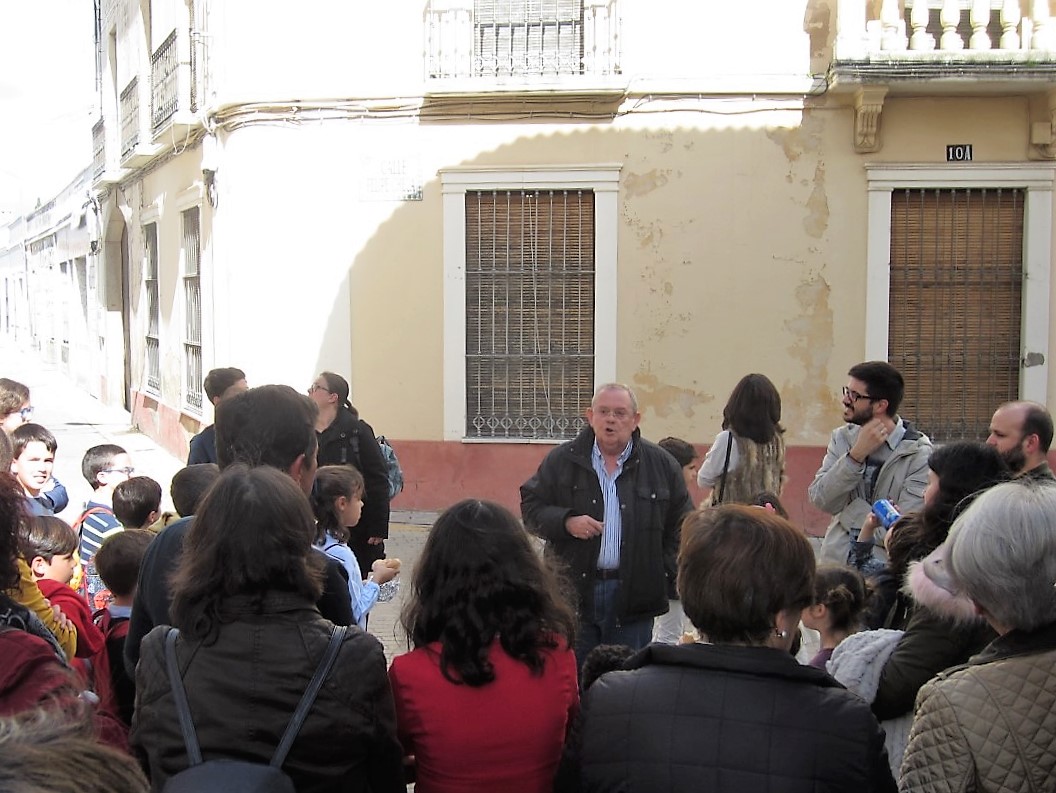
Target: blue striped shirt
[609,557]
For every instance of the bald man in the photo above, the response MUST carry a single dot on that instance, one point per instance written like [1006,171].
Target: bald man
[1022,433]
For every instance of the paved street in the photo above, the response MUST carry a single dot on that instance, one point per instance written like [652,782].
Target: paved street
[79,421]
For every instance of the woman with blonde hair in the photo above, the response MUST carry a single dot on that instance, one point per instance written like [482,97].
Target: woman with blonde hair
[748,456]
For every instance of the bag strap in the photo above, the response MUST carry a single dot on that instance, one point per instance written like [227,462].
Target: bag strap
[725,466]
[305,705]
[179,694]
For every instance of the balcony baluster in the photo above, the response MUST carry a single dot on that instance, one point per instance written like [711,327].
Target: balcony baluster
[1010,16]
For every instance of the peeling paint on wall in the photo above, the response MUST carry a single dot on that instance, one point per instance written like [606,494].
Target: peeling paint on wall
[817,220]
[664,399]
[639,184]
[809,406]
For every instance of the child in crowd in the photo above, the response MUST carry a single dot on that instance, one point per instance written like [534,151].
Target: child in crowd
[34,458]
[105,467]
[190,485]
[47,544]
[337,501]
[687,457]
[118,563]
[137,502]
[840,595]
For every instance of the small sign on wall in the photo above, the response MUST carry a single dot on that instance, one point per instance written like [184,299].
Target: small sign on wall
[959,152]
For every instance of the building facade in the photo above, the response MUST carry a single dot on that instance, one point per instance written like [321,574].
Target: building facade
[477,210]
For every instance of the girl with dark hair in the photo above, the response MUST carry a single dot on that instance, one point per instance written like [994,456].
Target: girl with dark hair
[486,696]
[250,640]
[840,595]
[337,501]
[748,456]
[345,439]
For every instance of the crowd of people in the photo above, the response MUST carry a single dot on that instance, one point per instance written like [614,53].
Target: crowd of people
[653,644]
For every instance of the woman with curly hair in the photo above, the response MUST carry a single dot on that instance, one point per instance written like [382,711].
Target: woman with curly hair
[485,698]
[748,456]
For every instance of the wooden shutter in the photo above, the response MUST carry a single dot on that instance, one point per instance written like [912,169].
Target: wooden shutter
[956,301]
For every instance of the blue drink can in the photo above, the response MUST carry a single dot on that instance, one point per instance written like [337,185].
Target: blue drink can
[886,513]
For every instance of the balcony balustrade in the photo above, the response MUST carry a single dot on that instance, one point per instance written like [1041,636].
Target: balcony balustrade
[501,41]
[98,149]
[962,30]
[164,79]
[128,109]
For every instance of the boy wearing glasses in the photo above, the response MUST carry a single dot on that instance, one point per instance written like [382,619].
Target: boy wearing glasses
[875,454]
[105,467]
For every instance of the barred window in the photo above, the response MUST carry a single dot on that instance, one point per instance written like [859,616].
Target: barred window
[956,302]
[192,310]
[530,284]
[150,282]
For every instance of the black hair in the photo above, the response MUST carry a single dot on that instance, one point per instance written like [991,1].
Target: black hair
[268,425]
[842,590]
[219,380]
[46,536]
[884,382]
[753,410]
[189,486]
[681,450]
[480,580]
[766,497]
[29,433]
[135,499]
[119,558]
[337,385]
[601,659]
[98,459]
[965,469]
[332,482]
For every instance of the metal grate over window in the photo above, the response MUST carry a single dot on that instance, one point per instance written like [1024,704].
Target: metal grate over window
[192,308]
[529,312]
[150,282]
[956,302]
[527,37]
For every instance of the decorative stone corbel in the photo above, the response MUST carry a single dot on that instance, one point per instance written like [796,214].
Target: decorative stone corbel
[1043,127]
[868,104]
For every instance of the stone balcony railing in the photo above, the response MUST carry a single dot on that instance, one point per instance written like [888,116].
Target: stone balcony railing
[933,30]
[946,48]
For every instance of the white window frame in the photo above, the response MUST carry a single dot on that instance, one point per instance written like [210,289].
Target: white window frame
[1038,181]
[603,180]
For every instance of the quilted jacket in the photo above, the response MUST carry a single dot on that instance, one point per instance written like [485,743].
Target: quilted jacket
[989,725]
[727,719]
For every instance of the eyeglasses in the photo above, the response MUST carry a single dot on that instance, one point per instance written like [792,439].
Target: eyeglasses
[127,470]
[620,414]
[26,413]
[855,396]
[316,387]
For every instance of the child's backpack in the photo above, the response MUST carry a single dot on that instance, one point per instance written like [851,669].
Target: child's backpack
[392,464]
[223,776]
[90,585]
[113,628]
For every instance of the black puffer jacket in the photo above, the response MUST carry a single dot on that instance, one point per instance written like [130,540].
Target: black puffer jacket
[653,500]
[727,719]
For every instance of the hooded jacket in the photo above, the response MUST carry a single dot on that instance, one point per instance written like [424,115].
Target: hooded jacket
[989,725]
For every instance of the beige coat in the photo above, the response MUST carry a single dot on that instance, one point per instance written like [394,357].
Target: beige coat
[989,725]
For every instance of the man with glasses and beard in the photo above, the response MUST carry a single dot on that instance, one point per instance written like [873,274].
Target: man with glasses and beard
[875,454]
[1022,433]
